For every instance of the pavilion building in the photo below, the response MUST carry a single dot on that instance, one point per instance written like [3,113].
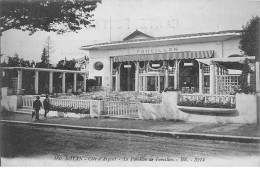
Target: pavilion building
[192,62]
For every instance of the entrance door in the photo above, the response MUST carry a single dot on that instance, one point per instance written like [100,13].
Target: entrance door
[127,76]
[189,75]
[151,83]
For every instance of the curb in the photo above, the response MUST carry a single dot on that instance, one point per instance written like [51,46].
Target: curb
[176,135]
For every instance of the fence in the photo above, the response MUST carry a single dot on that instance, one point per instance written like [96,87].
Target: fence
[118,108]
[70,103]
[226,84]
[27,102]
[209,98]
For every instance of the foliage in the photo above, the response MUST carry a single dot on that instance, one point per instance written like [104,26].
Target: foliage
[15,61]
[202,103]
[47,15]
[249,37]
[244,87]
[48,46]
[70,109]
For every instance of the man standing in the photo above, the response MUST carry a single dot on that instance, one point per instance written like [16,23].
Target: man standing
[46,105]
[37,106]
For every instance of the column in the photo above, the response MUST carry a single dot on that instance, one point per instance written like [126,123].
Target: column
[137,76]
[19,81]
[63,82]
[51,82]
[128,77]
[85,82]
[159,83]
[257,71]
[176,75]
[144,83]
[75,83]
[201,78]
[36,82]
[111,75]
[212,78]
[166,79]
[117,81]
[248,79]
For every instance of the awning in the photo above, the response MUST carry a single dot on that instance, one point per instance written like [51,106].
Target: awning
[165,56]
[229,63]
[229,59]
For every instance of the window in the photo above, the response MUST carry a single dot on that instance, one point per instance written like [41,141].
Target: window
[98,65]
[99,80]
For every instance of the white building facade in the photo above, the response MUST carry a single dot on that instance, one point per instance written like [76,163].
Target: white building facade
[143,63]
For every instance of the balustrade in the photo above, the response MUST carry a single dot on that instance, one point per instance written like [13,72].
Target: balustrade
[209,98]
[28,102]
[70,103]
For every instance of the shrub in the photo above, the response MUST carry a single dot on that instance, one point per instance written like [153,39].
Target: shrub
[202,103]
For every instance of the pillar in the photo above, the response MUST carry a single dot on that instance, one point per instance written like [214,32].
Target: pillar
[85,83]
[166,79]
[51,82]
[257,71]
[176,75]
[111,75]
[75,83]
[144,83]
[63,82]
[201,78]
[117,81]
[137,76]
[36,82]
[158,83]
[212,78]
[20,81]
[128,77]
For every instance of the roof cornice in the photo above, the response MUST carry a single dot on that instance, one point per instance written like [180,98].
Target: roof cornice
[166,38]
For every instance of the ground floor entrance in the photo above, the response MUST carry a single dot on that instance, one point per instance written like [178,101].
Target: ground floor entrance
[156,75]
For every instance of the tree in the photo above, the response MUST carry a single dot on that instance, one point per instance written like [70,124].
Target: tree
[44,60]
[249,37]
[47,15]
[48,48]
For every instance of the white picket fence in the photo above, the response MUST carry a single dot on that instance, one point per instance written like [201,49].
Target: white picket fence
[124,109]
[209,98]
[70,103]
[28,102]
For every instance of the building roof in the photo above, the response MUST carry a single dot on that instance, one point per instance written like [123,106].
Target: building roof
[42,69]
[175,39]
[135,34]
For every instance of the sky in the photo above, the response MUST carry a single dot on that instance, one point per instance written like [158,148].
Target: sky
[153,17]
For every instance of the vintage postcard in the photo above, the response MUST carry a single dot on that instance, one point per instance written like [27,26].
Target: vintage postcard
[130,83]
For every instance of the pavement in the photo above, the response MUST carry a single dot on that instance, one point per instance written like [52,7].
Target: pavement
[245,133]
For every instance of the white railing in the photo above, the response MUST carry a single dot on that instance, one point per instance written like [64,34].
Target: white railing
[27,101]
[209,98]
[70,103]
[125,109]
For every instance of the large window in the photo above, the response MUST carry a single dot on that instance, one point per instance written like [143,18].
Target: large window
[99,80]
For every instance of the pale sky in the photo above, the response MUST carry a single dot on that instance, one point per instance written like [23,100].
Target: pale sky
[154,17]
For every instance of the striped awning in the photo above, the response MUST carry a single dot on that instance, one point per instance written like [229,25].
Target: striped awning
[165,56]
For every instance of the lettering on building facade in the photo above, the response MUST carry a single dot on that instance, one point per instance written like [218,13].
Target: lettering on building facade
[156,50]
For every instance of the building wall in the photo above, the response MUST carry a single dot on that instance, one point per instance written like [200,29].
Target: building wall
[221,50]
